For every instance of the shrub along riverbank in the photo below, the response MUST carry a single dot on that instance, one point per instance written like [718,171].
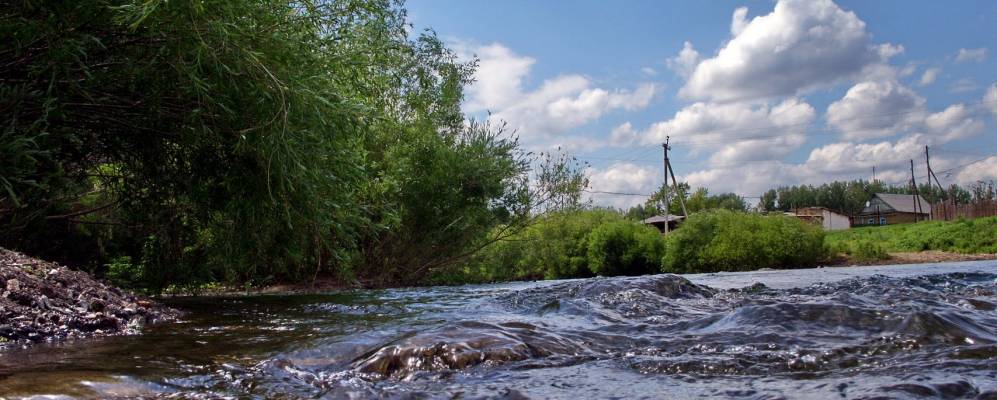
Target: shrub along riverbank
[600,242]
[586,243]
[730,241]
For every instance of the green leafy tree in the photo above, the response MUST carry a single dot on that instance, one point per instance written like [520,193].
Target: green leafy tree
[251,141]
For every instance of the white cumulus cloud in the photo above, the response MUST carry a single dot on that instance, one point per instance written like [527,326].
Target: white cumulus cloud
[929,76]
[622,178]
[835,161]
[801,45]
[963,85]
[557,105]
[623,135]
[875,109]
[955,122]
[990,98]
[975,55]
[737,131]
[685,62]
[847,158]
[739,21]
[985,170]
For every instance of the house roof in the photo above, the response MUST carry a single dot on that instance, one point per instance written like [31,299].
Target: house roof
[904,202]
[657,219]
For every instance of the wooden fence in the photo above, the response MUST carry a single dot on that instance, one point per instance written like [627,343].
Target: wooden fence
[948,210]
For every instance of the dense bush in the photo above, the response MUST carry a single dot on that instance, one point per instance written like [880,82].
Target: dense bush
[554,247]
[570,244]
[624,248]
[723,240]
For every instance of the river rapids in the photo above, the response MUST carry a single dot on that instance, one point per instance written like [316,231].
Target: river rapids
[925,331]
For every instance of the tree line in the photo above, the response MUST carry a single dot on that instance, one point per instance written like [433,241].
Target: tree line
[252,142]
[850,197]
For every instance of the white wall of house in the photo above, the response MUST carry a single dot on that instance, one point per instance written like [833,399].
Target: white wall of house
[834,221]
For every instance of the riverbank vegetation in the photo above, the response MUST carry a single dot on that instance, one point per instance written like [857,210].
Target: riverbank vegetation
[251,142]
[966,236]
[723,240]
[555,247]
[585,243]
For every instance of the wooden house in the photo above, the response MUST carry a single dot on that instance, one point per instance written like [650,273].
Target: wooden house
[890,209]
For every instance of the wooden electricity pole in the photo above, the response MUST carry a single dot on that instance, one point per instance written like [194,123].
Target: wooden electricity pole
[917,199]
[664,187]
[669,171]
[941,191]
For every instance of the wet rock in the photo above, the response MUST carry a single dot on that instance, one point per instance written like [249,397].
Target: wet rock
[44,301]
[137,322]
[461,346]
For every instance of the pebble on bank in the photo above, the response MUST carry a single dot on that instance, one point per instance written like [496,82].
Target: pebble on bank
[41,301]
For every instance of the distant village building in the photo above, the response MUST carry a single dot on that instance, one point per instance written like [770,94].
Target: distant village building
[659,221]
[889,209]
[825,217]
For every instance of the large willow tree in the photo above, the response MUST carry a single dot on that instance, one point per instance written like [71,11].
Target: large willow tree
[245,140]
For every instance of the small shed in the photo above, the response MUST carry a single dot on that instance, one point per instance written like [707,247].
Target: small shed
[890,209]
[829,219]
[659,221]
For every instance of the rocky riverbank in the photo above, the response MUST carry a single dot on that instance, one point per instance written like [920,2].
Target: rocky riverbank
[41,301]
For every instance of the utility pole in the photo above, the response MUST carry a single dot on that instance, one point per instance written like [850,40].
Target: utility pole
[675,183]
[941,192]
[873,174]
[917,199]
[670,172]
[664,187]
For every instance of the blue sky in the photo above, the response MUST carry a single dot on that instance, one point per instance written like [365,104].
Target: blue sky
[753,94]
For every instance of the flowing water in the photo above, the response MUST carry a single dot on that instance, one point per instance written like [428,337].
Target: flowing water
[927,331]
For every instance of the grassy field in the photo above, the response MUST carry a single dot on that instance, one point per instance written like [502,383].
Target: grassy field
[974,236]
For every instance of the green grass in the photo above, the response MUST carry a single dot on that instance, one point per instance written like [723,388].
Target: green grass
[972,236]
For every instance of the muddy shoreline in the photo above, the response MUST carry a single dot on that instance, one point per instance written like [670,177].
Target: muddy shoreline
[920,257]
[43,301]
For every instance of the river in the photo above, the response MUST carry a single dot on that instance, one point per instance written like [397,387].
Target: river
[920,331]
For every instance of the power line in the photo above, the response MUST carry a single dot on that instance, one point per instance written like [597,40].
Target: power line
[616,193]
[946,171]
[649,195]
[944,150]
